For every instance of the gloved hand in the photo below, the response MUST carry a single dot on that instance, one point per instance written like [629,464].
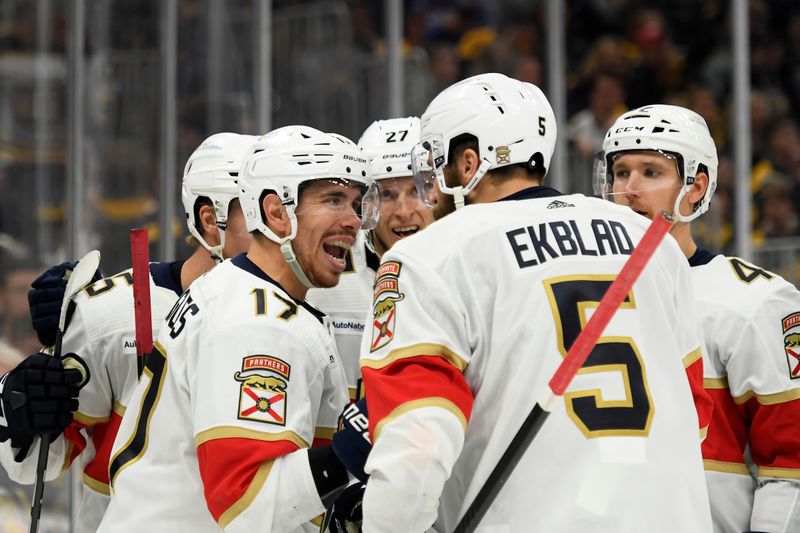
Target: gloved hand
[345,514]
[45,297]
[351,443]
[39,397]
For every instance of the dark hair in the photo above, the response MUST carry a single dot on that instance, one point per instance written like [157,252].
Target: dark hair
[533,169]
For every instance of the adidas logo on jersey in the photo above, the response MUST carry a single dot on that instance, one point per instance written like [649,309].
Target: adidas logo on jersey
[555,204]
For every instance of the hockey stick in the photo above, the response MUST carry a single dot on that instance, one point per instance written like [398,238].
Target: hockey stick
[80,277]
[573,361]
[141,296]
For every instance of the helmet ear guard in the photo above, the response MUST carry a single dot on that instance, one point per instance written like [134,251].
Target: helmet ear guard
[212,172]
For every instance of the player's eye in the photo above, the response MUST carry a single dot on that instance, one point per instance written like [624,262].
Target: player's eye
[621,174]
[652,173]
[388,194]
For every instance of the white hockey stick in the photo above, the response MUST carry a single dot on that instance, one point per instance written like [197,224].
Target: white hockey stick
[576,356]
[83,274]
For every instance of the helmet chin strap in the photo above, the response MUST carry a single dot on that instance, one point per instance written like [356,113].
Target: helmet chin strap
[676,209]
[458,197]
[460,193]
[216,251]
[291,259]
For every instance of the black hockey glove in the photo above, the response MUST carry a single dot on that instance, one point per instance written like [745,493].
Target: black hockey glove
[345,514]
[45,297]
[39,397]
[351,443]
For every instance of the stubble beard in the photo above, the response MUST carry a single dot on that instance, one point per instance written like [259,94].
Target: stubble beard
[445,204]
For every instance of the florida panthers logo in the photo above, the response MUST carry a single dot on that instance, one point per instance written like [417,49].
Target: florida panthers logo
[791,344]
[262,396]
[503,155]
[385,296]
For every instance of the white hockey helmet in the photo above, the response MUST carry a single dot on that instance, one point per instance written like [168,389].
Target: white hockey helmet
[212,172]
[674,131]
[285,158]
[511,120]
[388,144]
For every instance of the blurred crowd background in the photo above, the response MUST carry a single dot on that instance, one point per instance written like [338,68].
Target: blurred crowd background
[329,70]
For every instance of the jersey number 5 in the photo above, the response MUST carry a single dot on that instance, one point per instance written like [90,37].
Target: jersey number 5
[570,299]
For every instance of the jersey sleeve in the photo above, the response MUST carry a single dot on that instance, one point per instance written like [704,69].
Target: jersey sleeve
[763,373]
[24,471]
[258,397]
[693,351]
[414,352]
[92,397]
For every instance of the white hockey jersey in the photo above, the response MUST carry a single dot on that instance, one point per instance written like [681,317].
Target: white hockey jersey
[348,304]
[215,437]
[472,318]
[102,331]
[750,321]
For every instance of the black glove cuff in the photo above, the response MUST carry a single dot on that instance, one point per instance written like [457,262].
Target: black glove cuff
[330,476]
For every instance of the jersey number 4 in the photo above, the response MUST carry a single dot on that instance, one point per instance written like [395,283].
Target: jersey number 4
[570,299]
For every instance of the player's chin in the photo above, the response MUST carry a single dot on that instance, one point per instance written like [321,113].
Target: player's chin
[326,280]
[328,270]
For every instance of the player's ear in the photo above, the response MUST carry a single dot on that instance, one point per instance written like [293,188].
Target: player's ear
[275,215]
[208,224]
[467,165]
[698,190]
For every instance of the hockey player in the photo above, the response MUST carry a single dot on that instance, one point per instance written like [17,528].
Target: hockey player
[102,328]
[387,144]
[662,157]
[244,374]
[472,317]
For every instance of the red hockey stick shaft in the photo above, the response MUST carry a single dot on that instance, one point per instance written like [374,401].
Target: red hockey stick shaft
[141,295]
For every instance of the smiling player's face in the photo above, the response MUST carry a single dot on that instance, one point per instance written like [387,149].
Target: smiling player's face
[402,213]
[327,225]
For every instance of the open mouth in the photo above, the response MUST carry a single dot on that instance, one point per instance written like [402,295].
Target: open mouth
[337,250]
[405,231]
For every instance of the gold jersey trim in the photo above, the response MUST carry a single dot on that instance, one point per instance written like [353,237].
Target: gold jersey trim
[118,408]
[416,350]
[89,421]
[222,432]
[769,399]
[692,357]
[419,404]
[324,433]
[715,383]
[723,466]
[249,495]
[95,485]
[777,472]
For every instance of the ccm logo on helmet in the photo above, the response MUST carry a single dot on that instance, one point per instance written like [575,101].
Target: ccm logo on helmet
[629,128]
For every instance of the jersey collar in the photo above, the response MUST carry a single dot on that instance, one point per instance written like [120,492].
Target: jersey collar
[701,256]
[243,262]
[372,260]
[539,191]
[167,275]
